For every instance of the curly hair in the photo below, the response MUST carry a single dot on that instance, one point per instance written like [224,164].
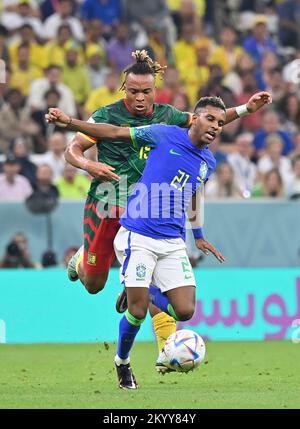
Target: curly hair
[143,65]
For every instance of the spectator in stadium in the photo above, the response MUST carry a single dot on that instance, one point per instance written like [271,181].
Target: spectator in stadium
[296,151]
[49,259]
[187,11]
[294,185]
[198,76]
[94,33]
[96,65]
[289,31]
[276,86]
[269,186]
[65,13]
[245,170]
[45,194]
[233,79]
[273,158]
[40,144]
[72,184]
[289,106]
[47,8]
[184,51]
[23,73]
[219,155]
[249,86]
[21,151]
[13,186]
[171,85]
[25,12]
[119,48]
[181,101]
[17,253]
[36,51]
[290,72]
[230,133]
[223,183]
[157,46]
[109,12]
[107,94]
[52,80]
[145,14]
[216,86]
[271,125]
[259,41]
[4,54]
[75,76]
[15,120]
[228,53]
[54,157]
[56,48]
[270,62]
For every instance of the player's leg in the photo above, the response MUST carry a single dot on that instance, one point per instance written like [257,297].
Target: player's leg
[138,263]
[92,263]
[164,325]
[129,326]
[178,303]
[174,277]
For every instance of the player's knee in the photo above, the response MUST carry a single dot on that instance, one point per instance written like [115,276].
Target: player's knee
[185,313]
[94,286]
[138,311]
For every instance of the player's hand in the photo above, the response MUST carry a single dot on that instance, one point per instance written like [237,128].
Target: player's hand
[57,117]
[258,100]
[101,172]
[206,247]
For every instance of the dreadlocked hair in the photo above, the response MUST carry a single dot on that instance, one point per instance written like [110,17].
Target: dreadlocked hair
[143,65]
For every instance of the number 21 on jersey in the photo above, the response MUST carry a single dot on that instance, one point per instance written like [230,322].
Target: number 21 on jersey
[180,180]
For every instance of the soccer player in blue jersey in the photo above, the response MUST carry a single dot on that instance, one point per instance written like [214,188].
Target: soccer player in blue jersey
[150,243]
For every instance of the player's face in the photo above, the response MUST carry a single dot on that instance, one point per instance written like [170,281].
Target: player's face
[140,92]
[208,123]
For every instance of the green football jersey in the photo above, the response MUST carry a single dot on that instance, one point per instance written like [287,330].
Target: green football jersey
[128,162]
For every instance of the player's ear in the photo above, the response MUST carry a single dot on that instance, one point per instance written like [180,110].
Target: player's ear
[194,117]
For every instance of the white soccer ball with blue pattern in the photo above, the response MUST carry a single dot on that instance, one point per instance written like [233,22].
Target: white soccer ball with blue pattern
[184,351]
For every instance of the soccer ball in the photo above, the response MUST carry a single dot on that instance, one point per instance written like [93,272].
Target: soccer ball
[184,350]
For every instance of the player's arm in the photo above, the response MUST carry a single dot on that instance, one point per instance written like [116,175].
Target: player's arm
[255,102]
[99,131]
[196,218]
[74,154]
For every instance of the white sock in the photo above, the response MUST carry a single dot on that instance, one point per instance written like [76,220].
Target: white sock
[120,361]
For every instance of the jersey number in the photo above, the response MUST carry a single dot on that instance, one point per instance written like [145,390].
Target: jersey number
[144,152]
[180,180]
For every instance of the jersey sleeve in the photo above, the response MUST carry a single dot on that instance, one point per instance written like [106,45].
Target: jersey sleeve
[149,135]
[181,119]
[99,116]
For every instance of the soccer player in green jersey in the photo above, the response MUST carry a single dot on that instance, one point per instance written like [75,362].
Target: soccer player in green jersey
[119,167]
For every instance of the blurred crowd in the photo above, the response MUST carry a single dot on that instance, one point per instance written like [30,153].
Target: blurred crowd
[71,54]
[17,255]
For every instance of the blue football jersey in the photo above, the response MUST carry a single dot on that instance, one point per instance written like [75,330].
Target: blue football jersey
[174,170]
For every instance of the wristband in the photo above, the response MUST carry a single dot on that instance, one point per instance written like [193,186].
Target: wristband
[198,233]
[242,110]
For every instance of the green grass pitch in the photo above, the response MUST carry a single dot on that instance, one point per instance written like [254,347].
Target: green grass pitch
[235,375]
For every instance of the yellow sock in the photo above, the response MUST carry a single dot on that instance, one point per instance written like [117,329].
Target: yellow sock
[164,325]
[80,258]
